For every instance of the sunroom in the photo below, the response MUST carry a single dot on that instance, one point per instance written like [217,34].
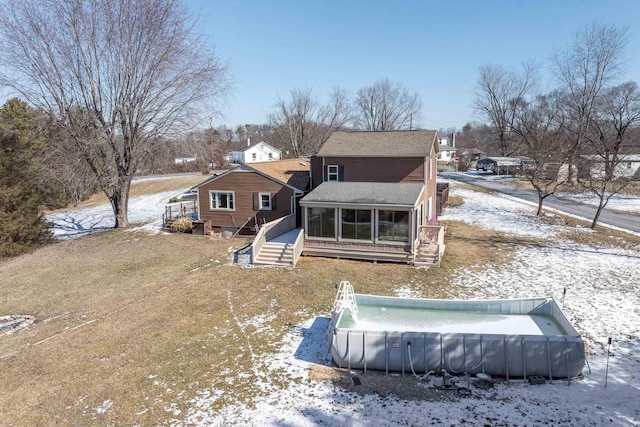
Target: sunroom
[363,220]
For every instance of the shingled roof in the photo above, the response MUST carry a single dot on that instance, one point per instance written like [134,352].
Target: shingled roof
[368,193]
[294,172]
[404,143]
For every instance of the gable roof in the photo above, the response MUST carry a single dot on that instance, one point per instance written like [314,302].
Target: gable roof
[365,193]
[402,143]
[293,173]
[447,148]
[247,147]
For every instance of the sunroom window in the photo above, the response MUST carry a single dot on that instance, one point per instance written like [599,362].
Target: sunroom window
[393,226]
[321,222]
[356,224]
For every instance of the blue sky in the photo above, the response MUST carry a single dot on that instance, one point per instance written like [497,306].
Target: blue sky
[434,48]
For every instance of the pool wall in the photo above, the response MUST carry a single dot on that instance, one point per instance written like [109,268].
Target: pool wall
[496,354]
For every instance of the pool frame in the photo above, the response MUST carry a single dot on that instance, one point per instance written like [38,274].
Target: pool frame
[502,355]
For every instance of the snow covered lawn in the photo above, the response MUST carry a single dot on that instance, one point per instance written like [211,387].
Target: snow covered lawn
[618,202]
[144,211]
[602,300]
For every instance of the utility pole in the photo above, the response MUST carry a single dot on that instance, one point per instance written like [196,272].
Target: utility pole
[213,141]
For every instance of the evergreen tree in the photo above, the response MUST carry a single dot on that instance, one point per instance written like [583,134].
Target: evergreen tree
[21,223]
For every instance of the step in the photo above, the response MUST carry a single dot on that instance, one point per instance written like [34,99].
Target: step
[288,257]
[357,254]
[275,254]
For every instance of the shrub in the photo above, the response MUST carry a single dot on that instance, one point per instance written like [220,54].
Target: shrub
[182,224]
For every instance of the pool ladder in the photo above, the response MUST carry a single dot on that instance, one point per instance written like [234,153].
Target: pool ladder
[346,298]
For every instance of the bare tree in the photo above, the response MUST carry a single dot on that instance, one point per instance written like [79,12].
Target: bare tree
[537,130]
[303,124]
[62,174]
[617,111]
[499,94]
[591,61]
[387,106]
[115,74]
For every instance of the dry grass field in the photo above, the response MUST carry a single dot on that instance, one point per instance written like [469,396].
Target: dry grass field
[130,326]
[126,318]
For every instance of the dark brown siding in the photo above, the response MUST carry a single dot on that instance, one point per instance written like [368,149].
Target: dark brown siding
[244,185]
[316,171]
[402,169]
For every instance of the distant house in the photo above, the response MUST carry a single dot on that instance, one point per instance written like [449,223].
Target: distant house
[373,196]
[255,153]
[627,167]
[182,158]
[447,150]
[248,196]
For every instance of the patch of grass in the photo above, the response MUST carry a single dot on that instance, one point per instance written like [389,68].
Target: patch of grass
[453,201]
[144,323]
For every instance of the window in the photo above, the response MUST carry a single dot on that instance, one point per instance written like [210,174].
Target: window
[221,200]
[332,173]
[253,156]
[270,156]
[393,226]
[356,224]
[264,201]
[321,222]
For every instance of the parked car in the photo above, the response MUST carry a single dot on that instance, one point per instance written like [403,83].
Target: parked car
[485,164]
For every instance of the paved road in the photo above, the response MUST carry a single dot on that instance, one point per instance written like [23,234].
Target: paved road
[624,221]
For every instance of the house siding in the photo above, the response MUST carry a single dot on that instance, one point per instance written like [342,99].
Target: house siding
[244,185]
[261,151]
[371,169]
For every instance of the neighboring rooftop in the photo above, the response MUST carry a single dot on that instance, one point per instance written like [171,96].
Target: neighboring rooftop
[248,146]
[403,143]
[294,172]
[373,193]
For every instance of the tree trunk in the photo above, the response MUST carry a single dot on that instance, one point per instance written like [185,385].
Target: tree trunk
[120,204]
[540,200]
[598,212]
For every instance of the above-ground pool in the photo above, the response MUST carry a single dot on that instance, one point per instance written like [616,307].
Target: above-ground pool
[507,338]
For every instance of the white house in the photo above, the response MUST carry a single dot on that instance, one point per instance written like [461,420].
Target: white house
[447,151]
[628,166]
[182,158]
[252,153]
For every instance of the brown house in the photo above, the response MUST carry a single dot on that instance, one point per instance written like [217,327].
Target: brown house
[373,196]
[248,196]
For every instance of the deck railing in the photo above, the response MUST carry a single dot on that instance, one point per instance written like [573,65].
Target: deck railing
[269,231]
[432,234]
[298,246]
[173,211]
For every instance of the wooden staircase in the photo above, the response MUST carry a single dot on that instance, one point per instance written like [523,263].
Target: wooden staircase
[274,253]
[427,255]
